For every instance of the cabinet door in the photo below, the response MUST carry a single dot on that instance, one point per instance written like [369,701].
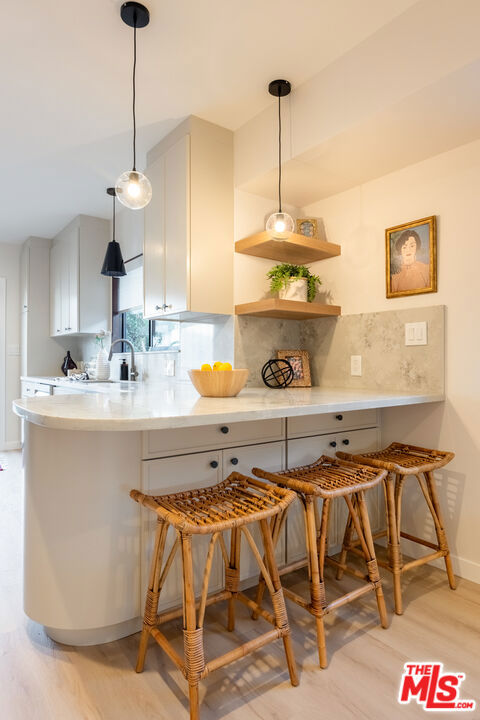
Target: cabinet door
[24,278]
[169,475]
[177,226]
[55,291]
[72,269]
[270,456]
[154,243]
[304,451]
[360,441]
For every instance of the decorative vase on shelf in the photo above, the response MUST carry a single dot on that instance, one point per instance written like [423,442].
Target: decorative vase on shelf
[102,368]
[294,289]
[68,363]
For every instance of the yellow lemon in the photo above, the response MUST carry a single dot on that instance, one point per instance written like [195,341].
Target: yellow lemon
[206,367]
[225,366]
[216,365]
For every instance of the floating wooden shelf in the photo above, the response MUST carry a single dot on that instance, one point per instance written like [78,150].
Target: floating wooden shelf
[297,250]
[288,309]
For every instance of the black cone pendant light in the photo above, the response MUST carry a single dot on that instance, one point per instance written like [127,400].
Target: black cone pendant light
[133,187]
[113,265]
[280,225]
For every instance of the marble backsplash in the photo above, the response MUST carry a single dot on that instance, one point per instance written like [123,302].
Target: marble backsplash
[387,363]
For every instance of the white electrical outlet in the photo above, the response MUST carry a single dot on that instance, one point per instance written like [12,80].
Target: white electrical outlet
[416,333]
[355,365]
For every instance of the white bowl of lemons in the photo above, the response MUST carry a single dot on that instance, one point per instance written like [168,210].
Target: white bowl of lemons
[218,381]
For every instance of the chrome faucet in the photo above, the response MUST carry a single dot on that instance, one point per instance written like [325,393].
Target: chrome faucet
[133,369]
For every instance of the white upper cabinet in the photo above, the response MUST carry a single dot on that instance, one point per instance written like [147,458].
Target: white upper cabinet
[188,242]
[79,294]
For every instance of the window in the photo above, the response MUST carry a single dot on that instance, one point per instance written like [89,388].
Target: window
[127,315]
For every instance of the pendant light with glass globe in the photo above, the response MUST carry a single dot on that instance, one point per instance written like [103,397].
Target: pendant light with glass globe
[280,225]
[133,188]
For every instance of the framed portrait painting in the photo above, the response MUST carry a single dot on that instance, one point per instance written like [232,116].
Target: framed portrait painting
[300,363]
[411,258]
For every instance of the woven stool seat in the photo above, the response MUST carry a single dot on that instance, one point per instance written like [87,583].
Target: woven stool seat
[402,459]
[326,477]
[233,505]
[234,502]
[324,480]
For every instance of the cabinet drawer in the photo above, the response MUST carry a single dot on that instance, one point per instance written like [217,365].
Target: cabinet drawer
[305,425]
[161,443]
[34,389]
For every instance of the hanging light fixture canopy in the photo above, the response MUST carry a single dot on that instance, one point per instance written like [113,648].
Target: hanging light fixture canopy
[113,265]
[280,225]
[133,188]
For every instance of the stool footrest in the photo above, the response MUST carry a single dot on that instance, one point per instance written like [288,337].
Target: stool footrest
[242,650]
[424,559]
[418,540]
[177,612]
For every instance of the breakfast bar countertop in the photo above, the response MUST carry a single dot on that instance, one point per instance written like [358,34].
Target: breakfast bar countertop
[151,406]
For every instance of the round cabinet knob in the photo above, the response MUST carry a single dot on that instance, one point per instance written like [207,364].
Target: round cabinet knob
[346,441]
[333,444]
[157,307]
[225,429]
[234,461]
[339,417]
[214,464]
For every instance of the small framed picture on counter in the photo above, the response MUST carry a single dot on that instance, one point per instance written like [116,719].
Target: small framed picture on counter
[300,363]
[411,258]
[308,227]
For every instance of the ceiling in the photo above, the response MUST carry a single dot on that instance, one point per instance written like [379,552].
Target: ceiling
[66,86]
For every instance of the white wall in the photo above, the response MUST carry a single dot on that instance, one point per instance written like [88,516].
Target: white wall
[10,270]
[446,186]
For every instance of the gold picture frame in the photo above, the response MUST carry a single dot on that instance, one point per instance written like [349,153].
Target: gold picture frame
[308,227]
[300,361]
[411,258]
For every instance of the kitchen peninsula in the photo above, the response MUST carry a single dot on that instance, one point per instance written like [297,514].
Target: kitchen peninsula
[87,544]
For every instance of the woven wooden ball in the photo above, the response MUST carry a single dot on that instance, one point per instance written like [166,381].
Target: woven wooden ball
[277,373]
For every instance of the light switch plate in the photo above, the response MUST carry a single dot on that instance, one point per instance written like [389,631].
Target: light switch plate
[416,333]
[356,365]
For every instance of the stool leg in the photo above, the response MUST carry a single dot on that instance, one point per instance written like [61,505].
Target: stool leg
[276,528]
[235,545]
[278,600]
[371,559]
[393,544]
[317,586]
[193,637]
[440,528]
[153,594]
[345,545]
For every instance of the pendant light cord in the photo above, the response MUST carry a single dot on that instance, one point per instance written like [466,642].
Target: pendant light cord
[133,103]
[279,157]
[113,222]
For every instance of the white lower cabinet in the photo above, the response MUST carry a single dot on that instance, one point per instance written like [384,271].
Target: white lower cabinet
[169,475]
[302,451]
[270,456]
[200,469]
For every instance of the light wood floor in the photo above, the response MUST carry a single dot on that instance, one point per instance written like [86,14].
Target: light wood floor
[40,680]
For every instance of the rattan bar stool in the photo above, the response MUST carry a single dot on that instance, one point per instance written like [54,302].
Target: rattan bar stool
[329,478]
[231,505]
[400,461]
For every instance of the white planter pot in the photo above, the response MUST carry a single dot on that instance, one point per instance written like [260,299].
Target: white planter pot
[295,290]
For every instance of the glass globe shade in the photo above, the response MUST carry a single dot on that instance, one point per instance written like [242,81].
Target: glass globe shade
[280,226]
[133,189]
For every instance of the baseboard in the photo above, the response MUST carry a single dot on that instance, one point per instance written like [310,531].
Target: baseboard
[11,445]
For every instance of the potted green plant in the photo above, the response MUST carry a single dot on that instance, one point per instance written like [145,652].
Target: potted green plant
[293,282]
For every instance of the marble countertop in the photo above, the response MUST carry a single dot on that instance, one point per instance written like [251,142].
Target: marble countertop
[150,406]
